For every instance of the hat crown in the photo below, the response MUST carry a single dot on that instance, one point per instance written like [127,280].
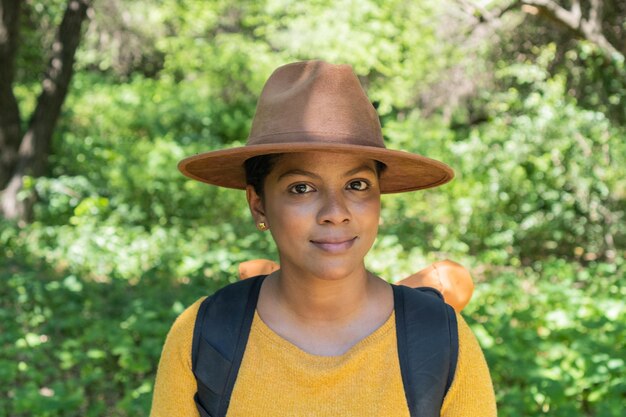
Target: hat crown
[314,101]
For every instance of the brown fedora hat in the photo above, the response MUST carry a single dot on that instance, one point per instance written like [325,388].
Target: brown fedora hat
[316,106]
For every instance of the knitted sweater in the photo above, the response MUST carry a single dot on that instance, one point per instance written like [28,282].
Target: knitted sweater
[277,378]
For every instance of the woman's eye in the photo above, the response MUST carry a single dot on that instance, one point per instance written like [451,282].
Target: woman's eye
[359,185]
[301,189]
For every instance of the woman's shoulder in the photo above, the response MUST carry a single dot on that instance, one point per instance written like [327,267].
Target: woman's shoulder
[189,314]
[233,292]
[184,323]
[467,339]
[471,393]
[468,343]
[175,381]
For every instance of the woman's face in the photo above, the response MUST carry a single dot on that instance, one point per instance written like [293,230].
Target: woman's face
[322,209]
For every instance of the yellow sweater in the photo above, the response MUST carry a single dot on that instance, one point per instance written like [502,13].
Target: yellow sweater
[277,378]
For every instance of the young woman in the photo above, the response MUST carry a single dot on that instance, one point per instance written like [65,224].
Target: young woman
[324,337]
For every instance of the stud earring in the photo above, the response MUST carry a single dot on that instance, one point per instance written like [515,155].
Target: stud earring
[262,226]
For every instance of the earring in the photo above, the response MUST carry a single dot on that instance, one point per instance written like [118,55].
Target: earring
[262,226]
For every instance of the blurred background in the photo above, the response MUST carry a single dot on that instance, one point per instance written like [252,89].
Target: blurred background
[103,242]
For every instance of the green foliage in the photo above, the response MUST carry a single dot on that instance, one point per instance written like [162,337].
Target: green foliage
[121,242]
[598,82]
[547,172]
[75,347]
[38,23]
[552,335]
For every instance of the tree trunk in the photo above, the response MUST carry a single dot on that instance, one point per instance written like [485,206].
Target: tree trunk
[10,129]
[34,147]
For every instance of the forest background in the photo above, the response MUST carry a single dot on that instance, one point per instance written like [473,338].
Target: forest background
[103,242]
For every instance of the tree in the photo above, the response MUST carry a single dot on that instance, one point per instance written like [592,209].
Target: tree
[24,151]
[592,20]
[588,36]
[574,20]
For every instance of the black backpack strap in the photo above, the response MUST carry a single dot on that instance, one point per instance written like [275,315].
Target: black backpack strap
[219,340]
[428,345]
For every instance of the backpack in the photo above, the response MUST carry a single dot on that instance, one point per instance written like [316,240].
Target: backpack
[426,331]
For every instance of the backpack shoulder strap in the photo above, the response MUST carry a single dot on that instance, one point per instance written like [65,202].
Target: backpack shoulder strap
[219,340]
[428,347]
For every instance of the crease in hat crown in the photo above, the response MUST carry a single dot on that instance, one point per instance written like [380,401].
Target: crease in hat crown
[315,100]
[316,106]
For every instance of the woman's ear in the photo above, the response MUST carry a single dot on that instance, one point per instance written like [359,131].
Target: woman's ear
[255,203]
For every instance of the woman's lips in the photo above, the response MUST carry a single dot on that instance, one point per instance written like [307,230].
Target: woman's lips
[334,245]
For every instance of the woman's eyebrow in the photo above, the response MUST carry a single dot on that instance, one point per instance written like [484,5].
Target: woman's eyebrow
[296,171]
[358,169]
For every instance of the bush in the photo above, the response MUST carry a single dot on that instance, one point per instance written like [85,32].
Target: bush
[552,335]
[76,347]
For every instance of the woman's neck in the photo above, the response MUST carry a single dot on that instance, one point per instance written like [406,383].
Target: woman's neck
[324,317]
[315,301]
[319,300]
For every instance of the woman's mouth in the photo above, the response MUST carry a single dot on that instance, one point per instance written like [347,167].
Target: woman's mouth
[334,245]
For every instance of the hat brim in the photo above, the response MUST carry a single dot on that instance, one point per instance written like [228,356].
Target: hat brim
[405,171]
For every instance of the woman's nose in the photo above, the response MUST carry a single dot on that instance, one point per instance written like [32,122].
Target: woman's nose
[333,209]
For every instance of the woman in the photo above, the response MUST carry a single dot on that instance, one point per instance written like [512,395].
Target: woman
[323,337]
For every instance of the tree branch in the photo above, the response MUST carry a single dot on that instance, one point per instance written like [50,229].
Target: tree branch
[571,19]
[10,129]
[35,145]
[482,14]
[576,9]
[553,11]
[589,29]
[34,148]
[595,13]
